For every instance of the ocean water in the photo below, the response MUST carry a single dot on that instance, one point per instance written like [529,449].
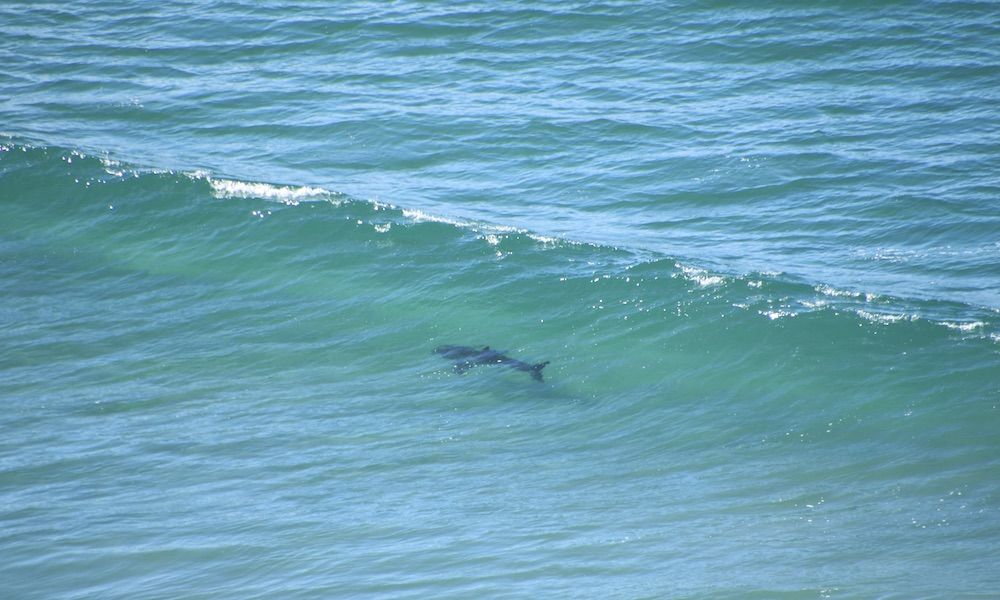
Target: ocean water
[759,247]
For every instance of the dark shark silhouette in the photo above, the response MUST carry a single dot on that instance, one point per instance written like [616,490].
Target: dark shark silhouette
[466,357]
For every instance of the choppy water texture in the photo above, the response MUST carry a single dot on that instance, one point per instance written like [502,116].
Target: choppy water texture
[760,247]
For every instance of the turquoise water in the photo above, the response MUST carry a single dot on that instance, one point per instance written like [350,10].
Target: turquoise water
[760,249]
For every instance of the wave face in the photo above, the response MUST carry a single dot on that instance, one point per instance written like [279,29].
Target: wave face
[846,145]
[759,249]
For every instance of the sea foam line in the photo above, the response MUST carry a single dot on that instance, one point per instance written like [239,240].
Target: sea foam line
[285,194]
[885,318]
[700,276]
[492,233]
[963,326]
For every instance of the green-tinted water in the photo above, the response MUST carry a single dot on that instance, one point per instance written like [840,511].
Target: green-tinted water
[758,248]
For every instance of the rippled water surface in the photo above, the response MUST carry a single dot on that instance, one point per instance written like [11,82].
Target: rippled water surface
[759,247]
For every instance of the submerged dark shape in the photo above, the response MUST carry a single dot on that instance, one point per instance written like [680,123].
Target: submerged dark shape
[466,357]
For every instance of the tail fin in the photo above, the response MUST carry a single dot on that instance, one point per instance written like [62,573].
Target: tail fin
[536,370]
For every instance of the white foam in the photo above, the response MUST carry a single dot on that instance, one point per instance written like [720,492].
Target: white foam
[420,216]
[290,195]
[777,314]
[112,167]
[491,233]
[884,319]
[700,276]
[832,291]
[549,241]
[963,326]
[814,305]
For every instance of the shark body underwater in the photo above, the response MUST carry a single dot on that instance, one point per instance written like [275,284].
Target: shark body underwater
[466,357]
